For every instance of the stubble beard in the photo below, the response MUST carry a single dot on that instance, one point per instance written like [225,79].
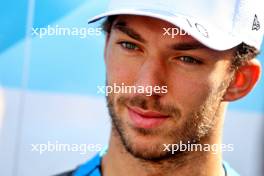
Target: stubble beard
[199,125]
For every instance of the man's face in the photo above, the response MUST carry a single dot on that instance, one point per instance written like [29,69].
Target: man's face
[138,54]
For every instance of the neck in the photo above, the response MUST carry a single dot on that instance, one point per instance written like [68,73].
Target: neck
[118,162]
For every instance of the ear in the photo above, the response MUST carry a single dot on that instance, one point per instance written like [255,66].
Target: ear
[244,80]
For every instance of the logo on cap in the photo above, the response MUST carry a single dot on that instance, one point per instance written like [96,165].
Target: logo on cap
[256,25]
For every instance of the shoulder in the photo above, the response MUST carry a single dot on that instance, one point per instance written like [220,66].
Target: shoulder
[91,168]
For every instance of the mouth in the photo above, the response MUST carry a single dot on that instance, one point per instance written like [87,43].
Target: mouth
[147,119]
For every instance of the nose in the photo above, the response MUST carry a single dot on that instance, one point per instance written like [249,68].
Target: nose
[152,74]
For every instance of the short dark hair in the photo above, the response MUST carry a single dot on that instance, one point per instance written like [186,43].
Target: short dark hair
[243,52]
[107,24]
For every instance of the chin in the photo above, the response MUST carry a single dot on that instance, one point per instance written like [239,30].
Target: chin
[146,147]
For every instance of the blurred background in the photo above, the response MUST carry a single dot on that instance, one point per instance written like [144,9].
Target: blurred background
[49,92]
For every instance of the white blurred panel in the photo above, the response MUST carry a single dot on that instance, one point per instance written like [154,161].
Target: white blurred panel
[64,119]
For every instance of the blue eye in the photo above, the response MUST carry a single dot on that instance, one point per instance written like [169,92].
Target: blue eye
[190,60]
[129,45]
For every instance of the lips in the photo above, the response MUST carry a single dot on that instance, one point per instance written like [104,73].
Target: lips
[145,118]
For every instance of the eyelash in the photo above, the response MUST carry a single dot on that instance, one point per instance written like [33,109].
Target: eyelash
[189,60]
[125,45]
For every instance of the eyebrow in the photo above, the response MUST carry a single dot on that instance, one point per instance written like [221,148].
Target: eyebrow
[122,27]
[183,46]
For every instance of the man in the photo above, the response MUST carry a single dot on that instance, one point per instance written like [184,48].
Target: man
[208,62]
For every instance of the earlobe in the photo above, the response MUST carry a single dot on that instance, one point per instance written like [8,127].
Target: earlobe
[244,80]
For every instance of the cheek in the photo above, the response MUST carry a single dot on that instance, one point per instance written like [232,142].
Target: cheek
[189,92]
[192,89]
[119,69]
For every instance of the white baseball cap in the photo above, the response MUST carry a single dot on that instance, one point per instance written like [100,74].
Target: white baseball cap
[218,24]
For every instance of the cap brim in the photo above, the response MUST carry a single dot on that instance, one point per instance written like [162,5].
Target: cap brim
[214,38]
